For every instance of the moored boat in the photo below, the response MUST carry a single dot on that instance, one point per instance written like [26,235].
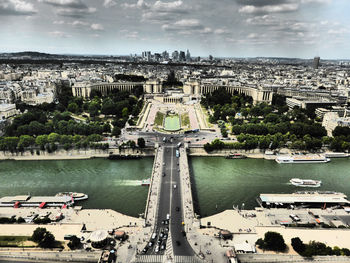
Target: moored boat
[302,159]
[74,195]
[146,182]
[235,156]
[305,182]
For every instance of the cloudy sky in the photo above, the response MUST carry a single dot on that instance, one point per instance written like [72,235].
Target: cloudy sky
[231,28]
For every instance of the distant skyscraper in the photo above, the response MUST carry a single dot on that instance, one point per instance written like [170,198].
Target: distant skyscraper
[188,55]
[165,55]
[175,55]
[182,56]
[316,62]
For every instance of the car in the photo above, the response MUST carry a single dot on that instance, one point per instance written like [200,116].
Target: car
[174,186]
[144,251]
[162,247]
[166,230]
[159,242]
[150,244]
[156,249]
[178,243]
[154,235]
[164,174]
[163,222]
[167,216]
[177,209]
[161,235]
[165,236]
[166,222]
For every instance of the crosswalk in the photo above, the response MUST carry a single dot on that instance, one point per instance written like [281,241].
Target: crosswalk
[150,259]
[186,259]
[165,259]
[169,252]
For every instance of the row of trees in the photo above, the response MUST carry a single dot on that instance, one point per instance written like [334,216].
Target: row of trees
[50,142]
[317,249]
[299,129]
[39,122]
[274,241]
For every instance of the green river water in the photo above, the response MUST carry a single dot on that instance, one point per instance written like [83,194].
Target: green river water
[218,183]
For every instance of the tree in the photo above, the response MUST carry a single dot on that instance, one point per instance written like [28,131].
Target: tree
[53,137]
[48,241]
[93,108]
[11,143]
[41,140]
[38,234]
[141,142]
[26,141]
[116,131]
[298,245]
[73,107]
[125,112]
[74,243]
[272,241]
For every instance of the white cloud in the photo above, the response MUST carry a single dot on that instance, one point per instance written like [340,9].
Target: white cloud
[109,3]
[74,12]
[97,27]
[66,3]
[316,1]
[338,31]
[220,31]
[168,6]
[79,23]
[188,23]
[59,34]
[251,9]
[138,4]
[58,22]
[16,7]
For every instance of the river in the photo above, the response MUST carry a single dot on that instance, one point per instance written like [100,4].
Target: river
[109,184]
[219,183]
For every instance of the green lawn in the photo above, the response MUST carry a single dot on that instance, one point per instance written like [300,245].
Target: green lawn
[159,118]
[13,241]
[185,120]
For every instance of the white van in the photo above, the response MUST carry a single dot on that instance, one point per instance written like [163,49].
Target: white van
[167,216]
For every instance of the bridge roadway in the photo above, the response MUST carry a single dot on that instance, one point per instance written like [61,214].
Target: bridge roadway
[170,203]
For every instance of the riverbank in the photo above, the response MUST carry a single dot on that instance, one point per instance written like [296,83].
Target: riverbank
[72,223]
[74,154]
[193,151]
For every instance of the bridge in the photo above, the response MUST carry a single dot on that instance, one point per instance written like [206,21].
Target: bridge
[169,210]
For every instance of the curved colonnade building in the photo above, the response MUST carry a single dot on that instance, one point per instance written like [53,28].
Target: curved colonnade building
[190,88]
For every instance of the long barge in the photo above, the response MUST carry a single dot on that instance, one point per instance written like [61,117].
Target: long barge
[302,159]
[36,201]
[309,199]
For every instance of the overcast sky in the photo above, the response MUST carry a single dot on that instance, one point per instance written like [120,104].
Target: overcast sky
[226,28]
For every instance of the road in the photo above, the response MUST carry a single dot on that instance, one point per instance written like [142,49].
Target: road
[170,203]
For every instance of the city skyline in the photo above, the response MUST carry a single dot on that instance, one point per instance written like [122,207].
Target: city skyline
[229,28]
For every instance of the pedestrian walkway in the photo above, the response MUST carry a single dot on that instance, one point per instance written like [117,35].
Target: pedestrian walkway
[169,247]
[150,259]
[186,259]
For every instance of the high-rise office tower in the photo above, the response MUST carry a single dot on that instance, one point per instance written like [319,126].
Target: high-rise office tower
[182,56]
[316,62]
[175,55]
[188,55]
